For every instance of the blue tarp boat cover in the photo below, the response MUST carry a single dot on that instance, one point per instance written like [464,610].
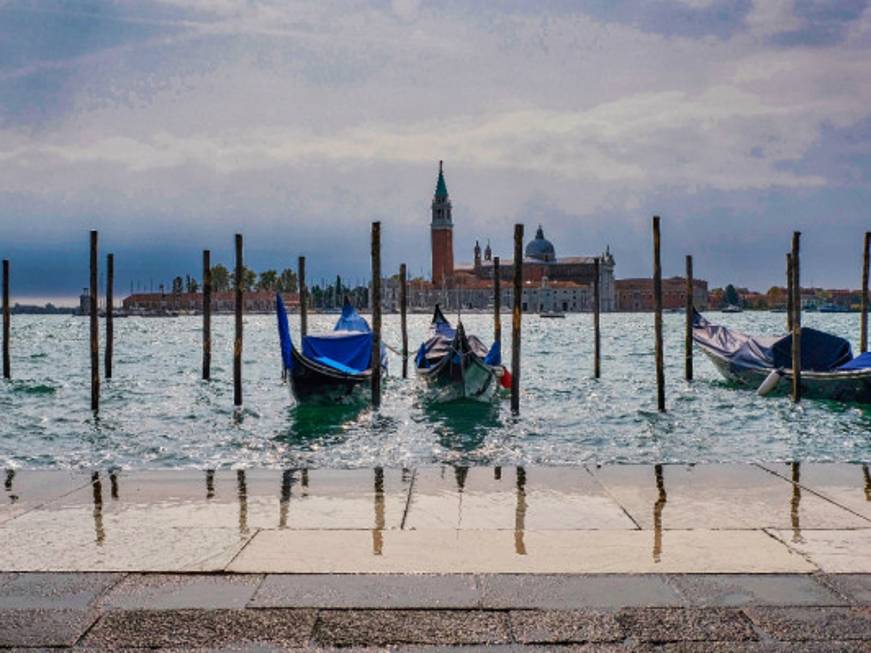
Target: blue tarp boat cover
[820,351]
[861,362]
[283,333]
[351,320]
[442,337]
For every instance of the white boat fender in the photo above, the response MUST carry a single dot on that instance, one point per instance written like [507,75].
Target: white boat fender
[770,382]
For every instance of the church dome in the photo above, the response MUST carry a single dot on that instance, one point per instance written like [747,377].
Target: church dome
[541,248]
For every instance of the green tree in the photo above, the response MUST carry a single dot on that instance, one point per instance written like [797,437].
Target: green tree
[177,286]
[268,280]
[220,278]
[287,281]
[249,279]
[192,285]
[731,296]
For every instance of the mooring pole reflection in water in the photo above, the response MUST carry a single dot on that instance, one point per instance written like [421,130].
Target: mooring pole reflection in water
[304,482]
[795,504]
[497,473]
[97,486]
[378,531]
[460,474]
[242,490]
[284,502]
[661,500]
[210,484]
[520,513]
[7,485]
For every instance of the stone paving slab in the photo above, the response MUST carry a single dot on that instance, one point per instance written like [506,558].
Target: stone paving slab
[848,485]
[723,496]
[732,590]
[25,490]
[200,628]
[443,551]
[75,591]
[565,626]
[688,624]
[181,591]
[515,498]
[367,591]
[833,551]
[561,591]
[397,627]
[32,627]
[813,623]
[856,587]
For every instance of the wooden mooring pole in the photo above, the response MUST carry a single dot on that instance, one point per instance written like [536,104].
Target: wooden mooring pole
[303,299]
[796,318]
[688,336]
[597,301]
[95,329]
[110,326]
[403,317]
[657,307]
[790,294]
[497,302]
[207,315]
[376,314]
[863,339]
[237,344]
[7,364]
[516,318]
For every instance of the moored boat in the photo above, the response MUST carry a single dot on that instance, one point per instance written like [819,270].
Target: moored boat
[454,365]
[333,365]
[828,368]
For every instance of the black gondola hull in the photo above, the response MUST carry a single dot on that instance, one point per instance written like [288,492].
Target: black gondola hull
[311,381]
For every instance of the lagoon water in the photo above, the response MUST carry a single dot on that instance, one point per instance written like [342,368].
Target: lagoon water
[157,413]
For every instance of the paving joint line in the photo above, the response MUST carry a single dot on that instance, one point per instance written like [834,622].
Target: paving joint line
[250,539]
[805,557]
[817,494]
[408,499]
[612,497]
[40,506]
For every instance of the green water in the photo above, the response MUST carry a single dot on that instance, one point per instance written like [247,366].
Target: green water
[157,412]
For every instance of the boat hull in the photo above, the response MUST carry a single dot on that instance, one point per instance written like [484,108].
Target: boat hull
[451,381]
[310,381]
[846,385]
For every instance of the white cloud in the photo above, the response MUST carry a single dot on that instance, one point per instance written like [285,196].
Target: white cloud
[769,17]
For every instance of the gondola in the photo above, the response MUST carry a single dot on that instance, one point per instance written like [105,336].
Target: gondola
[331,366]
[453,365]
[828,368]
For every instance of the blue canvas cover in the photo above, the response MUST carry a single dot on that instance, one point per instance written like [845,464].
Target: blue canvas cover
[283,333]
[820,351]
[494,356]
[347,351]
[351,320]
[861,362]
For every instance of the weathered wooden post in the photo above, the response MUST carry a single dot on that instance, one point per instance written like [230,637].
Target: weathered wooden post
[516,318]
[110,327]
[497,302]
[303,299]
[790,294]
[237,345]
[7,364]
[403,318]
[597,342]
[95,329]
[796,318]
[688,336]
[376,314]
[657,308]
[207,315]
[863,345]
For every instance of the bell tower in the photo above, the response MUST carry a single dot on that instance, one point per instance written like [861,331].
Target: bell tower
[442,232]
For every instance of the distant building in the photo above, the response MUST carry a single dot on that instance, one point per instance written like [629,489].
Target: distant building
[262,301]
[637,294]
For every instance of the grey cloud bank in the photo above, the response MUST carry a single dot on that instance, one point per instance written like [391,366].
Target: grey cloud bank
[170,125]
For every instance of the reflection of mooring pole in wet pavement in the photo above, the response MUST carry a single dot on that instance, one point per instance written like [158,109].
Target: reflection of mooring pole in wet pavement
[795,503]
[661,500]
[867,475]
[242,491]
[284,502]
[210,484]
[97,486]
[520,513]
[378,531]
[113,485]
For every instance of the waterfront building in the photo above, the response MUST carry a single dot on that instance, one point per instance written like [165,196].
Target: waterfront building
[637,294]
[262,301]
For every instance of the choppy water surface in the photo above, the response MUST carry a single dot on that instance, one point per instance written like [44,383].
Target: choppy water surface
[157,412]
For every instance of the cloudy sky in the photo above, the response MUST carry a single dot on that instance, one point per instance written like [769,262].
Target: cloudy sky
[169,125]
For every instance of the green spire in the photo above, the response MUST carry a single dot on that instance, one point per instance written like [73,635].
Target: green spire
[441,188]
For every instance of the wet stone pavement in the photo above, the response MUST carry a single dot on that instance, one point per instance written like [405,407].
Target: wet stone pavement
[675,558]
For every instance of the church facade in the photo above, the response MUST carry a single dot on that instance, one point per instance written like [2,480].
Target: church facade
[549,283]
